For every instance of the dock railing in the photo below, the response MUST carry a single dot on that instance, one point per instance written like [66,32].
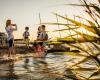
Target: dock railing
[3,39]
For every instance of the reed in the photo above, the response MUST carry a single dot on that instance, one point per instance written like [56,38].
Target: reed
[92,26]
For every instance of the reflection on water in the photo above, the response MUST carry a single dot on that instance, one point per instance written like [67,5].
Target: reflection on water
[8,71]
[53,67]
[11,74]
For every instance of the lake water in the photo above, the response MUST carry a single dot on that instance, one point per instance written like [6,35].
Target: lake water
[52,67]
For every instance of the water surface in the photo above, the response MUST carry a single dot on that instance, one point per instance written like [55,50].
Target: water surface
[52,67]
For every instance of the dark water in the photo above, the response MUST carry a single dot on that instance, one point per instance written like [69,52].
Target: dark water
[52,67]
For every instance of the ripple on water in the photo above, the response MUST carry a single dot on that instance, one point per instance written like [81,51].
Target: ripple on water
[53,67]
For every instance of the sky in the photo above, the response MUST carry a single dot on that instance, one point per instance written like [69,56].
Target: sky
[26,13]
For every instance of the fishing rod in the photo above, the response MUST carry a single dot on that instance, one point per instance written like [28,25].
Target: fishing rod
[58,25]
[40,18]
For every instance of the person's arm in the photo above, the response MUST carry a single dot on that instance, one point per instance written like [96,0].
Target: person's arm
[40,37]
[8,30]
[24,34]
[28,34]
[15,29]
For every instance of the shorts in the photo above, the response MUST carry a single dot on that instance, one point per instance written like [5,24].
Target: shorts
[40,43]
[26,38]
[35,44]
[11,43]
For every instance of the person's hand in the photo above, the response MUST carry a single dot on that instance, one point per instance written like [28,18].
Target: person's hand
[14,25]
[35,40]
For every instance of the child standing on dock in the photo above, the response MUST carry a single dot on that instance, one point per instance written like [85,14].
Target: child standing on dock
[9,29]
[26,36]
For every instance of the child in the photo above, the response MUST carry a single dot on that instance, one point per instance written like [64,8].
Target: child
[26,36]
[39,33]
[38,45]
[43,36]
[39,49]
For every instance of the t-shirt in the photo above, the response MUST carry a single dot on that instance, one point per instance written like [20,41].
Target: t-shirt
[9,31]
[26,34]
[43,35]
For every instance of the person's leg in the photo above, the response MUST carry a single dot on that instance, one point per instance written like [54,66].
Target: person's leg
[25,42]
[10,48]
[34,46]
[28,42]
[13,51]
[9,52]
[41,51]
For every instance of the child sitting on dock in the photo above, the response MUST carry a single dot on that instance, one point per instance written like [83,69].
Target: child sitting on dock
[43,36]
[38,45]
[26,36]
[39,49]
[39,32]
